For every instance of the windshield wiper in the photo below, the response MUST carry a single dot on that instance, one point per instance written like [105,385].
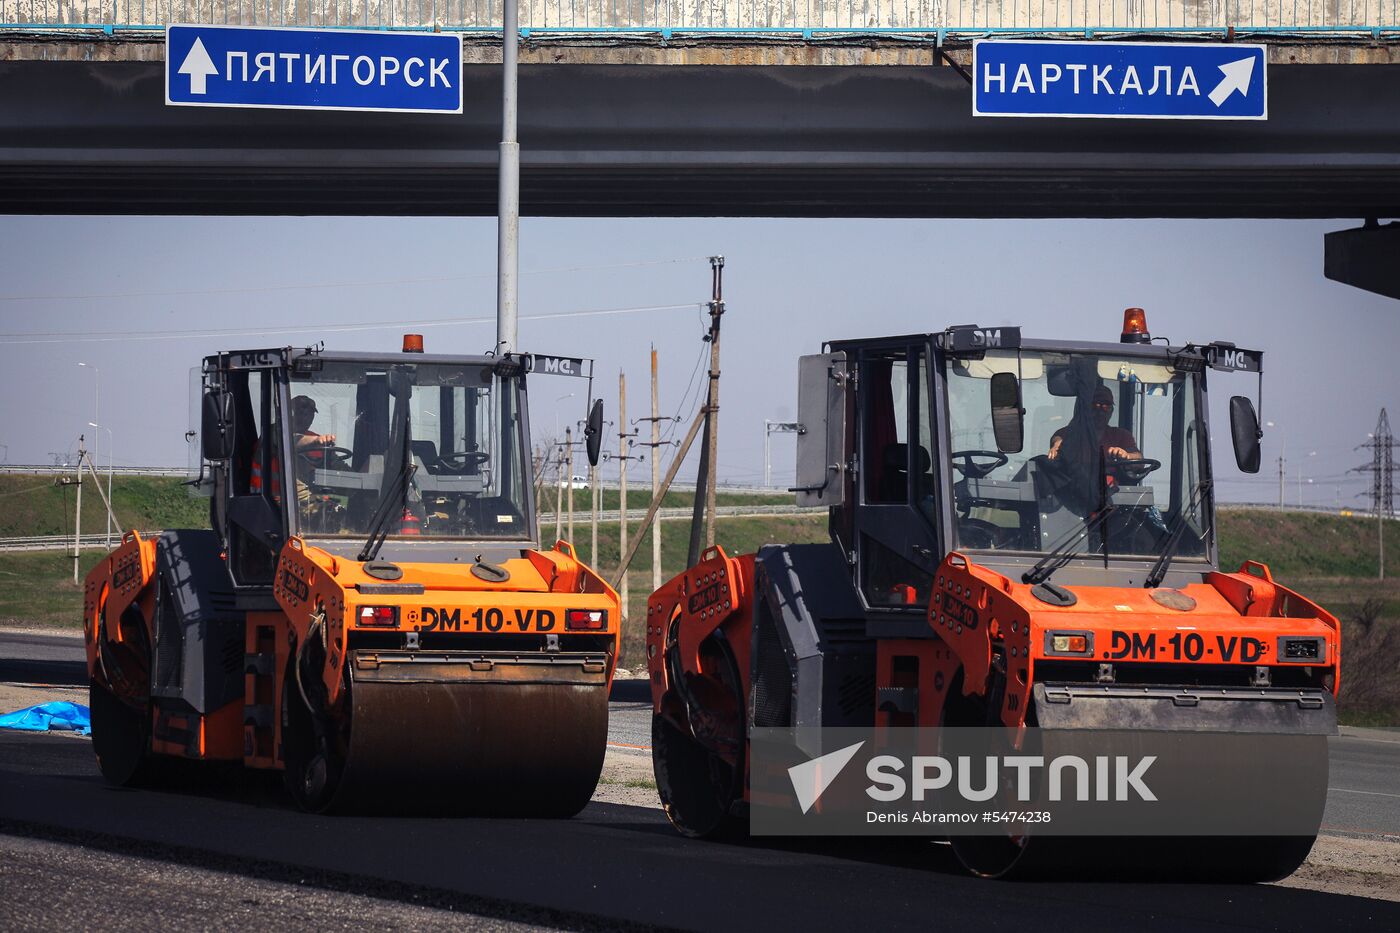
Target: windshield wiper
[396,497]
[1060,555]
[1158,573]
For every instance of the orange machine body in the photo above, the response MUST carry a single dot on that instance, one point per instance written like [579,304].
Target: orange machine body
[983,621]
[446,601]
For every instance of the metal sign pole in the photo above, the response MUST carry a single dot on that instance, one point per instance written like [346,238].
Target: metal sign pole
[508,208]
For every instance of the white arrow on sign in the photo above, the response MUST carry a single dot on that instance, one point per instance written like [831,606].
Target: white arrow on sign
[199,66]
[1237,75]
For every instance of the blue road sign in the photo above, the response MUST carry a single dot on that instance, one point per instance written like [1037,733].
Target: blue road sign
[1134,80]
[313,69]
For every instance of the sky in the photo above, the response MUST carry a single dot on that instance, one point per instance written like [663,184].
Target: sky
[136,298]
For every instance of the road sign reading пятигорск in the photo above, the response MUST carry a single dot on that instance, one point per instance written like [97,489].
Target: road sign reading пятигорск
[1134,80]
[313,69]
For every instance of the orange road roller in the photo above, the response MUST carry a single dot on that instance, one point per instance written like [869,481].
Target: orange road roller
[370,612]
[1022,535]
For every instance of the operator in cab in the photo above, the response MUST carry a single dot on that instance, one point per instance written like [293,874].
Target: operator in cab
[310,449]
[1073,441]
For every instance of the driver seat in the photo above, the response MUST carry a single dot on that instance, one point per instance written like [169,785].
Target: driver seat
[426,453]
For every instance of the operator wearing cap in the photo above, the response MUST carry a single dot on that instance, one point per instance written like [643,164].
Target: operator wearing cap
[309,446]
[1114,441]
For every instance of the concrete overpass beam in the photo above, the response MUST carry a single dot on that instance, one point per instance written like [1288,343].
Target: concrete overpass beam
[1367,257]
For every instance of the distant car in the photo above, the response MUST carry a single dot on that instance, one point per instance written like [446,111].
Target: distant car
[578,482]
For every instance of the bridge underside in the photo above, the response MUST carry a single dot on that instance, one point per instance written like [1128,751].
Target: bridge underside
[638,140]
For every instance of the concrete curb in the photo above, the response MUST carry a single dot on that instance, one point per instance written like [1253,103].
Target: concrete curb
[1391,735]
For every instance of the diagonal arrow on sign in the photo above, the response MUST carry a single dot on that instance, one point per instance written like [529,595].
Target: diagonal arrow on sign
[199,66]
[1237,77]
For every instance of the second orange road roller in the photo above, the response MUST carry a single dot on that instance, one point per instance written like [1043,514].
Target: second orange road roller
[1022,538]
[370,612]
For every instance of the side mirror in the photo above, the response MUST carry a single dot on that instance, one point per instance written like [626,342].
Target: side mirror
[1244,431]
[593,431]
[216,426]
[1007,422]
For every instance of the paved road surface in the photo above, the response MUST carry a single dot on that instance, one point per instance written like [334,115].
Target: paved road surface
[1363,797]
[613,864]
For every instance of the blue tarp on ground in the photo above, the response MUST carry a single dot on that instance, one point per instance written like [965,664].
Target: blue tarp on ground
[49,717]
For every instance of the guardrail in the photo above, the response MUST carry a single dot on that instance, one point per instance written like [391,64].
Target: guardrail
[582,516]
[808,19]
[40,470]
[721,511]
[58,543]
[1313,509]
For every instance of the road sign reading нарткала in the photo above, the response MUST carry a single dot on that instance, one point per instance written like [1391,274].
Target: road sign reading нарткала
[313,69]
[1132,80]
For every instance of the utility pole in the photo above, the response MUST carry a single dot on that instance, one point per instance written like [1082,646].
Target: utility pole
[78,511]
[594,502]
[622,478]
[705,481]
[1280,482]
[508,190]
[595,495]
[569,470]
[96,424]
[655,444]
[559,493]
[539,459]
[624,444]
[1382,469]
[655,475]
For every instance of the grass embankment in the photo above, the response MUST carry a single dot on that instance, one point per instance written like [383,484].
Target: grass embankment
[1332,561]
[1329,559]
[41,505]
[36,587]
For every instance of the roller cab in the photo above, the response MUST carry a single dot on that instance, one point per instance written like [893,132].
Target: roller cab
[370,612]
[1022,535]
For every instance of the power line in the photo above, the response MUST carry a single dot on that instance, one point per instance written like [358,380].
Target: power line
[112,336]
[370,283]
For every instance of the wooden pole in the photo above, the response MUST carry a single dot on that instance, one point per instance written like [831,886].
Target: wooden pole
[106,499]
[622,458]
[702,520]
[593,517]
[716,311]
[559,495]
[78,511]
[569,471]
[655,476]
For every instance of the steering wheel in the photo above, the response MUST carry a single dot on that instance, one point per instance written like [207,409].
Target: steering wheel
[1135,470]
[976,470]
[332,458]
[464,458]
[979,533]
